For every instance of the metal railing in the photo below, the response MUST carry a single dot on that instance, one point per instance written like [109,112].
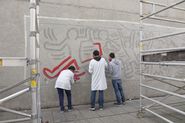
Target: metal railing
[164,63]
[14,95]
[34,84]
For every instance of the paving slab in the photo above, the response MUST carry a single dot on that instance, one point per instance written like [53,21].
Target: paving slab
[111,114]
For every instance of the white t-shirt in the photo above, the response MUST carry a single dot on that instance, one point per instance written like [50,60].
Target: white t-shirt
[65,79]
[97,69]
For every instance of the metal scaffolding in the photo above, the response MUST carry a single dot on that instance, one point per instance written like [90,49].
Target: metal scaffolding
[161,64]
[34,79]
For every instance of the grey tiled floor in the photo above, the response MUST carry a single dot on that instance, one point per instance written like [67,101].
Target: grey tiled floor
[111,114]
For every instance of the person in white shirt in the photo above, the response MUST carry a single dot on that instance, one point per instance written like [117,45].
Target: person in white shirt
[97,68]
[63,83]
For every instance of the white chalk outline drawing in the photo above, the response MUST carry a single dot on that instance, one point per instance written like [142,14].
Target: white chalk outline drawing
[126,43]
[49,34]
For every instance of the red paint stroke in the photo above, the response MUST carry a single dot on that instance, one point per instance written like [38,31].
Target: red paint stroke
[100,50]
[58,66]
[87,60]
[48,73]
[99,47]
[77,76]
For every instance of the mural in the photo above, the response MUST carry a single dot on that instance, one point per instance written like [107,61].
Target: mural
[67,52]
[56,70]
[67,43]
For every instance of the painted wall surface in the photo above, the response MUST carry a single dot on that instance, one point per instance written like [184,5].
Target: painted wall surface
[71,42]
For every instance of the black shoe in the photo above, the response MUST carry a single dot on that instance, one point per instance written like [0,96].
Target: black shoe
[117,103]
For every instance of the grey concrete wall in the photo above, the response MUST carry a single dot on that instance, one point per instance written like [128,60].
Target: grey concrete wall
[63,38]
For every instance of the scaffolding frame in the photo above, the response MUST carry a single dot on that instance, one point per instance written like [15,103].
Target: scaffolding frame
[33,62]
[154,51]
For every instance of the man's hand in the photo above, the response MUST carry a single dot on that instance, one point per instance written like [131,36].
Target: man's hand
[109,59]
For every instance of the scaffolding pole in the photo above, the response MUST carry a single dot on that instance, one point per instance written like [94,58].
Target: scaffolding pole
[15,85]
[164,91]
[15,112]
[164,36]
[162,5]
[15,120]
[38,63]
[167,19]
[165,105]
[14,95]
[166,63]
[140,49]
[33,58]
[179,89]
[163,118]
[168,7]
[162,50]
[13,61]
[164,77]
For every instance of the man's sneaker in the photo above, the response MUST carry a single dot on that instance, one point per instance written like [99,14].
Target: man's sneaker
[92,109]
[69,110]
[123,103]
[61,112]
[100,109]
[117,103]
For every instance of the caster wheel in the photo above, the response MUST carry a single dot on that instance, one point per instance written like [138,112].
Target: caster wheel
[140,114]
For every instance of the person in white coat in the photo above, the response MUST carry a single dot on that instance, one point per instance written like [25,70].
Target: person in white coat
[97,67]
[63,83]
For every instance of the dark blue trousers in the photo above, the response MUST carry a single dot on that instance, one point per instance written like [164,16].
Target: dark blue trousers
[100,99]
[118,89]
[61,98]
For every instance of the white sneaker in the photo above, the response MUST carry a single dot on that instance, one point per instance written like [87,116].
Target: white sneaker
[69,110]
[100,109]
[92,109]
[61,112]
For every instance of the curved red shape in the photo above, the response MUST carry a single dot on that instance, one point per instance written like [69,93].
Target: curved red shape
[49,73]
[100,50]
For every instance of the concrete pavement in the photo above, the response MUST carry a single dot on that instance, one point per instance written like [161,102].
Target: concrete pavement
[111,114]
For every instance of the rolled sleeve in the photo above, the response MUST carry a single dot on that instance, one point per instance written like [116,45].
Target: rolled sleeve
[90,68]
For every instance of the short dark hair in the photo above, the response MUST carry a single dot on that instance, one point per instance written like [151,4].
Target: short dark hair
[112,55]
[71,68]
[96,53]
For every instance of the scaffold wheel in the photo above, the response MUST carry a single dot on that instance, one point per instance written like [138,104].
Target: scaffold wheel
[140,114]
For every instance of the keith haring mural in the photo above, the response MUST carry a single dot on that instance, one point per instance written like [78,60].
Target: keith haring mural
[66,43]
[72,50]
[56,70]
